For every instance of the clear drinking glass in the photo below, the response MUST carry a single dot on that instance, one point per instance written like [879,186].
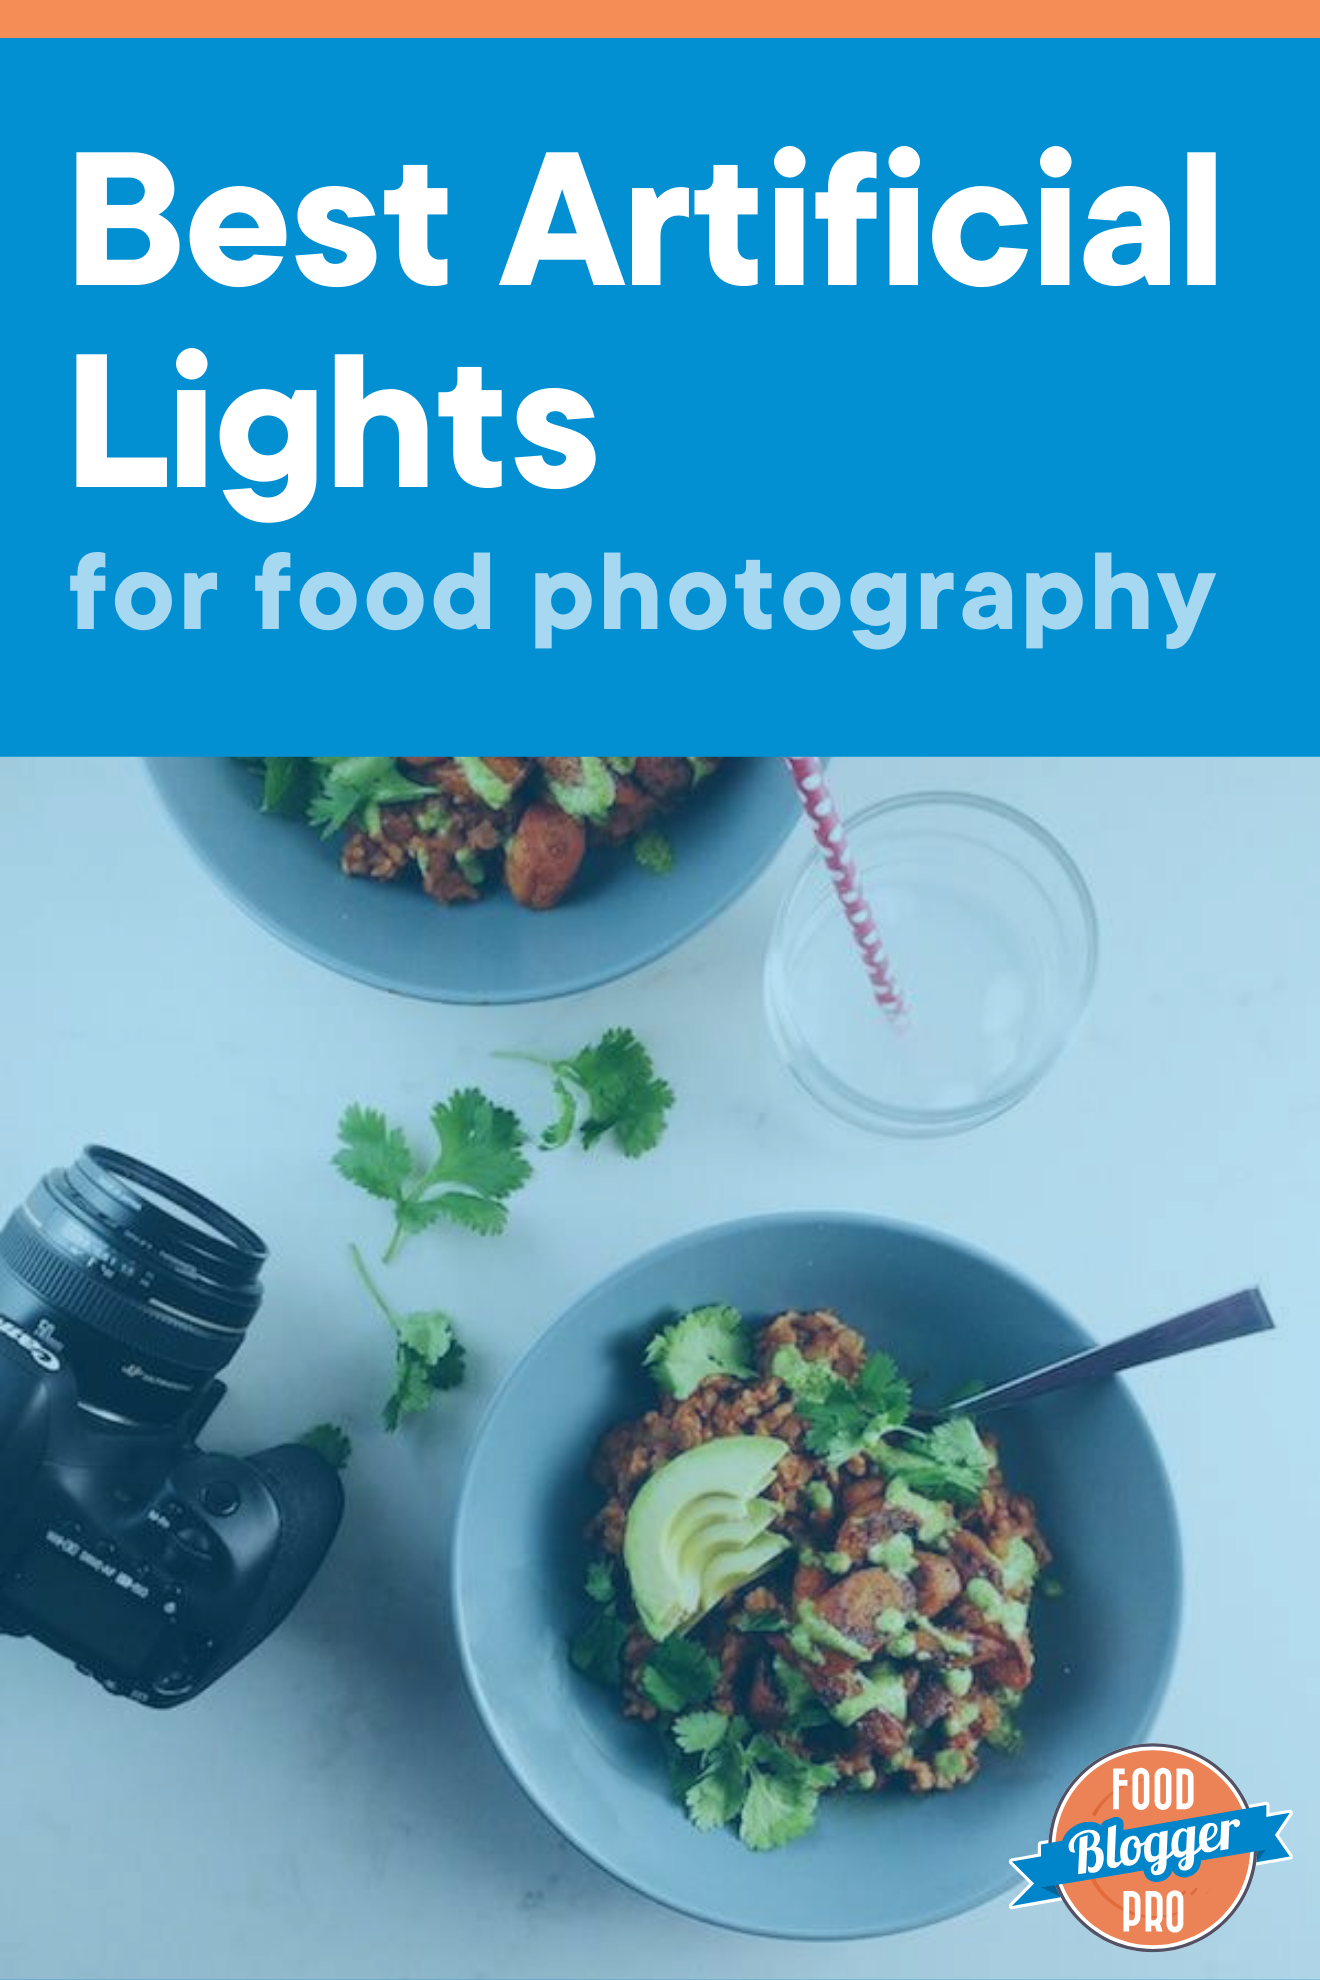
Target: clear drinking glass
[992,935]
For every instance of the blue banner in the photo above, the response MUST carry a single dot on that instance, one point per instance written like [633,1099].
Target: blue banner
[1156,1851]
[1069,510]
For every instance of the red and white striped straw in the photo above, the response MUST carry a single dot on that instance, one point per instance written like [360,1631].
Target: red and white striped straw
[823,813]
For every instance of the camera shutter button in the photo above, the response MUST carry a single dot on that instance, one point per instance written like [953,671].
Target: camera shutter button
[220,1498]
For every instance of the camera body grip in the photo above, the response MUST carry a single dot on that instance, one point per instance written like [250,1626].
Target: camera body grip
[152,1564]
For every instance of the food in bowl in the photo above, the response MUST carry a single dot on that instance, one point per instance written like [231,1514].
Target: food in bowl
[805,1592]
[464,825]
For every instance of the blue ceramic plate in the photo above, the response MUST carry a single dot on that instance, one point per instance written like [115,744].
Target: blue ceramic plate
[616,919]
[870,1866]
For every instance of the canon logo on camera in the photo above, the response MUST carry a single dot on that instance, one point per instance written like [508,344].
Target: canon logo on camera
[41,1355]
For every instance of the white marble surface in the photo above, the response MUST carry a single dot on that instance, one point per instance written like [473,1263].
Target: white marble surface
[334,1809]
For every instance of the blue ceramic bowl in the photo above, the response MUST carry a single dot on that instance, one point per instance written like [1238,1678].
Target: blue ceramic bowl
[950,1316]
[616,919]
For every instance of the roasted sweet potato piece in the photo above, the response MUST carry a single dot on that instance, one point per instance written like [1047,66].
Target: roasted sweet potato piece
[999,1659]
[937,1583]
[668,778]
[765,1707]
[631,812]
[833,1677]
[867,1527]
[808,1582]
[974,1557]
[882,1733]
[544,856]
[928,1702]
[855,1604]
[1011,1665]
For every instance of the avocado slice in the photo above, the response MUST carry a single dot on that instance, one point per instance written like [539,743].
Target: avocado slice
[734,1568]
[697,1530]
[733,1530]
[709,1510]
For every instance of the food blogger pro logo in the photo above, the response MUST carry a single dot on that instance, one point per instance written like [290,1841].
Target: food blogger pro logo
[1152,1847]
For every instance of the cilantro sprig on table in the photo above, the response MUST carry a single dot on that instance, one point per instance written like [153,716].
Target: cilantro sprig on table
[331,1441]
[612,1088]
[428,1353]
[478,1166]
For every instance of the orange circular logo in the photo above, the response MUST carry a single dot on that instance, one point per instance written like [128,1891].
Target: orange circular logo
[1152,1847]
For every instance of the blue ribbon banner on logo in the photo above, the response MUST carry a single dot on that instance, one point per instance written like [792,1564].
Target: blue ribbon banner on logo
[1163,1849]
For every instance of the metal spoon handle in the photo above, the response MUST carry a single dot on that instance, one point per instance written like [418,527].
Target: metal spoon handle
[1223,1320]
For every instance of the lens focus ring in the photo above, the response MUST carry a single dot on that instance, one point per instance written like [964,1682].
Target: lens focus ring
[73,1290]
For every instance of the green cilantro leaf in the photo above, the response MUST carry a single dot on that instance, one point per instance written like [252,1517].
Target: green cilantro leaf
[429,1335]
[771,1792]
[411,1394]
[811,1381]
[884,1392]
[679,1673]
[801,1703]
[836,1426]
[946,1462]
[700,1732]
[331,1441]
[429,1356]
[353,788]
[626,1098]
[560,1131]
[684,1770]
[616,1082]
[835,1418]
[286,784]
[373,1154]
[711,1340]
[481,1214]
[717,1795]
[600,1581]
[1006,1735]
[480,1145]
[479,1164]
[843,1418]
[653,852]
[597,1650]
[783,1792]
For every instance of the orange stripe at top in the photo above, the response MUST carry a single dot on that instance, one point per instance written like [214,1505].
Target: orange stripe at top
[704,19]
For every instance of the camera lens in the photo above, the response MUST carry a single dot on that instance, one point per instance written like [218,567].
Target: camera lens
[143,1285]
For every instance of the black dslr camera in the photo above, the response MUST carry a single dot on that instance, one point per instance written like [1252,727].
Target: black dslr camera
[153,1565]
